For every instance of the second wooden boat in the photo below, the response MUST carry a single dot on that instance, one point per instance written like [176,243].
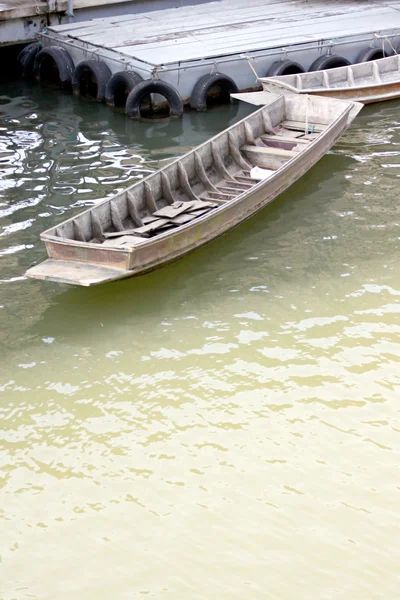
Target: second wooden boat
[198,197]
[367,82]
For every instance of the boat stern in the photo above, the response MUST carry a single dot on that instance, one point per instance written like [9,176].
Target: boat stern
[75,273]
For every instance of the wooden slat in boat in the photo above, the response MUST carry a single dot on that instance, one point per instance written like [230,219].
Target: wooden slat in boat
[367,82]
[198,197]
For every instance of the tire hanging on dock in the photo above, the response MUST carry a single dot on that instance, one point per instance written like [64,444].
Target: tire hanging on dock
[90,79]
[54,65]
[214,88]
[329,61]
[26,59]
[284,67]
[119,87]
[153,86]
[372,54]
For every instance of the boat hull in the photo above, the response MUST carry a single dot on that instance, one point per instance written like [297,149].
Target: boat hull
[101,264]
[365,95]
[173,247]
[226,218]
[368,82]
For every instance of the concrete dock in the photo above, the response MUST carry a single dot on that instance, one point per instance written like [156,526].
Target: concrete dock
[22,20]
[181,45]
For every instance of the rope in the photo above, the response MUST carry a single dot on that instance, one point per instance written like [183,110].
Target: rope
[214,68]
[251,67]
[385,38]
[390,44]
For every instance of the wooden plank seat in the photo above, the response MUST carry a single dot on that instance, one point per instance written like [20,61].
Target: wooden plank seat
[269,158]
[296,144]
[217,196]
[244,185]
[301,126]
[291,133]
[284,139]
[128,241]
[234,191]
[245,179]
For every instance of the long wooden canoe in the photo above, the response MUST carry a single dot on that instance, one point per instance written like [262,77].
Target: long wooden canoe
[366,82]
[198,197]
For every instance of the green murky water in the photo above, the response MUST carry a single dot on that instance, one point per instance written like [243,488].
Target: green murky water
[226,427]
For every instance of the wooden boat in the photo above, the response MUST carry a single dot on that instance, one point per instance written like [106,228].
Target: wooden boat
[366,82]
[198,197]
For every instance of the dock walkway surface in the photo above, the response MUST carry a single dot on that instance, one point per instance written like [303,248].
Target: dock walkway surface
[22,20]
[12,9]
[182,44]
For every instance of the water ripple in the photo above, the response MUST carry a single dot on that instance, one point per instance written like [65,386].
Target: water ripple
[225,427]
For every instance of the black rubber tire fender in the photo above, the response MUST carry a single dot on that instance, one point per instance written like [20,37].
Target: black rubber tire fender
[198,99]
[98,70]
[371,54]
[284,67]
[122,79]
[62,60]
[329,61]
[26,59]
[153,86]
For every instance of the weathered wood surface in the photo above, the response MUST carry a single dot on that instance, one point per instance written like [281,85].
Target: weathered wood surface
[14,9]
[220,28]
[77,273]
[373,81]
[209,191]
[22,20]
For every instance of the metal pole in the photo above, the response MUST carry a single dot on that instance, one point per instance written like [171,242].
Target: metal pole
[70,10]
